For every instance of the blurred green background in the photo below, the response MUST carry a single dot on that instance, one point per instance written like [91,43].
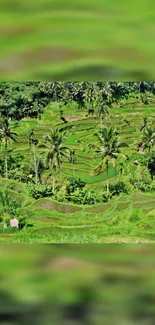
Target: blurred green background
[77,284]
[77,40]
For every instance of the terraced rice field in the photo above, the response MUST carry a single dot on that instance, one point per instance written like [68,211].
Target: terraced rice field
[115,221]
[81,133]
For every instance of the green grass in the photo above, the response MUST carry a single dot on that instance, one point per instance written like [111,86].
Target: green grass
[116,219]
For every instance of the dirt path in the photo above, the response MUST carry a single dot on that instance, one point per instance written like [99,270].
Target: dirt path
[78,118]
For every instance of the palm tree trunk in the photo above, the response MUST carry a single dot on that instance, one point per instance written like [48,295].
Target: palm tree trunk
[107,176]
[36,173]
[115,171]
[74,173]
[6,165]
[101,123]
[35,165]
[53,183]
[149,150]
[6,160]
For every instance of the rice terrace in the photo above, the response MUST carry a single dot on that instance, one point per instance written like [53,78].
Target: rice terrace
[77,162]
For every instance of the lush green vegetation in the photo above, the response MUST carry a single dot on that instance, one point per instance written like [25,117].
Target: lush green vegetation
[78,165]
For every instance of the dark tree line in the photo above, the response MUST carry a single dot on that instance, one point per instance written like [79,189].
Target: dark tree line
[19,100]
[28,99]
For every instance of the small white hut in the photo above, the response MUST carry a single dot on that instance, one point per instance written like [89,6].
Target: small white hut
[14,223]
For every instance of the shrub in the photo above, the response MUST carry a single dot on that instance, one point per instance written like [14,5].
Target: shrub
[39,191]
[77,197]
[144,226]
[61,196]
[144,186]
[106,196]
[122,102]
[135,216]
[5,220]
[83,196]
[142,179]
[120,187]
[145,98]
[89,197]
[74,184]
[142,173]
[152,186]
[10,206]
[22,221]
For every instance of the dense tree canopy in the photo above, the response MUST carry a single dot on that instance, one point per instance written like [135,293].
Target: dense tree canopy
[28,99]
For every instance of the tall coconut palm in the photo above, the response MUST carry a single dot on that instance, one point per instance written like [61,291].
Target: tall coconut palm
[108,148]
[37,161]
[6,135]
[107,93]
[91,96]
[102,110]
[148,138]
[33,144]
[31,137]
[56,151]
[151,165]
[73,160]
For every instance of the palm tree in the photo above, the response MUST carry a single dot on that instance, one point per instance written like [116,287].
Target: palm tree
[145,98]
[102,111]
[6,135]
[151,164]
[72,156]
[37,162]
[38,168]
[31,137]
[78,94]
[73,160]
[91,96]
[145,123]
[148,138]
[108,149]
[57,151]
[107,93]
[33,144]
[121,166]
